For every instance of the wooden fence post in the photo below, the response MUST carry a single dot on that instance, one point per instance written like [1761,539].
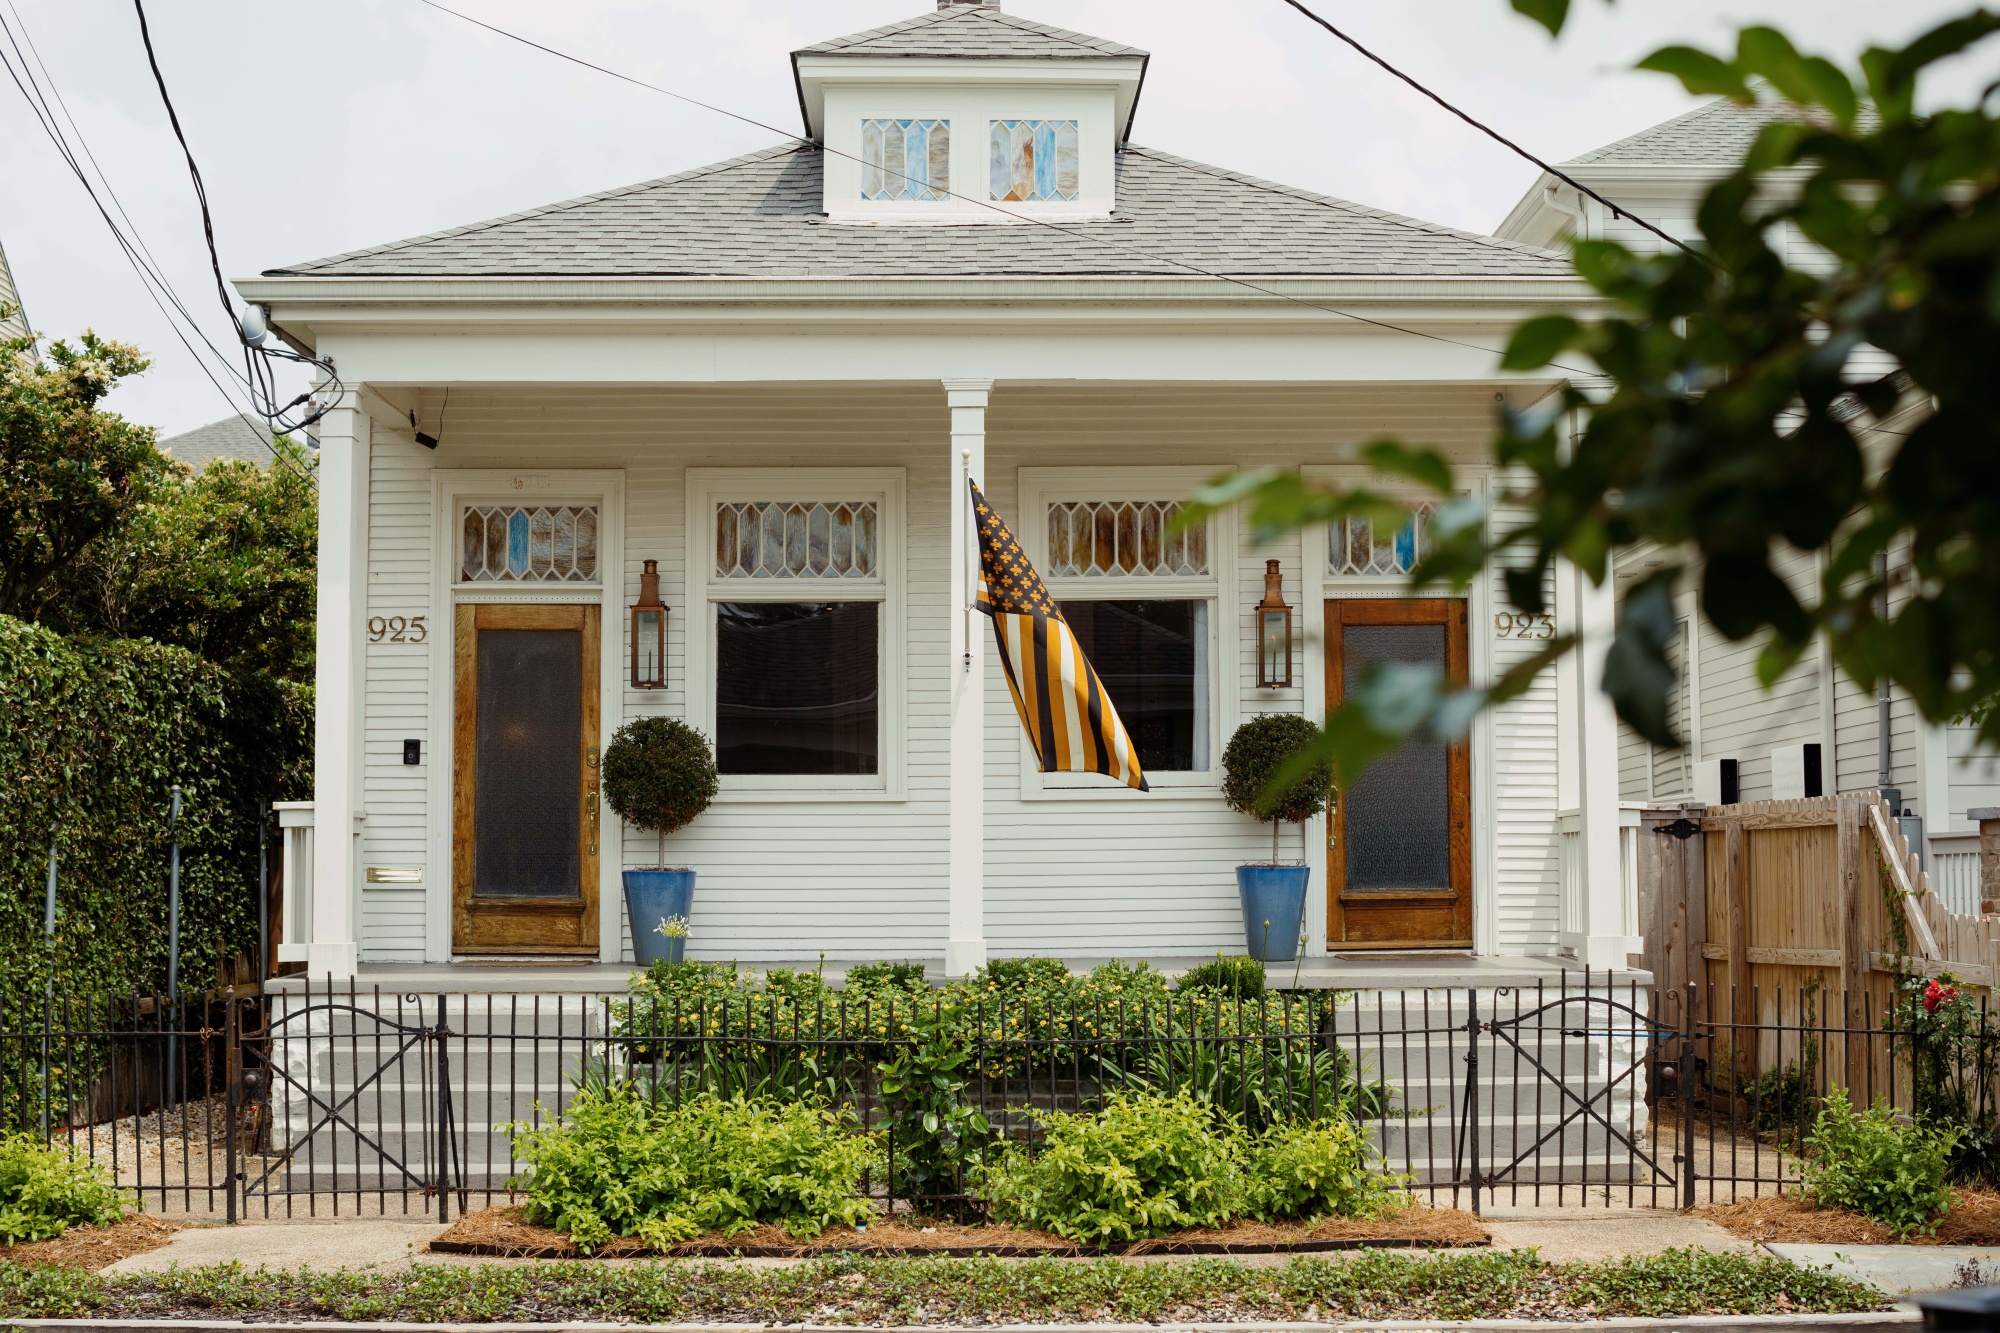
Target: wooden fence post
[1736,887]
[1853,942]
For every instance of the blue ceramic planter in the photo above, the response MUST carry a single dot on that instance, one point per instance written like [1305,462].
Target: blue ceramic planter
[651,896]
[1276,894]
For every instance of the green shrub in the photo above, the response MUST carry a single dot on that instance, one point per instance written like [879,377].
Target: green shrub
[659,774]
[1258,754]
[621,1164]
[45,1190]
[1303,1171]
[1879,1164]
[905,979]
[1143,1165]
[1237,975]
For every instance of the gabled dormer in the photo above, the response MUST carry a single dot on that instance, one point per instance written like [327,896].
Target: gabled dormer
[928,120]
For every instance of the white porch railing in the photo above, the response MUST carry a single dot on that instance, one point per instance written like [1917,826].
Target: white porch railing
[1574,917]
[295,819]
[1954,871]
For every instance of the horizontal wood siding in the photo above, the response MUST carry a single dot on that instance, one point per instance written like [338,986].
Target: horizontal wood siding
[864,878]
[1524,785]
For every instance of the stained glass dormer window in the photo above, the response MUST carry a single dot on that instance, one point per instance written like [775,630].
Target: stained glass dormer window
[529,544]
[1355,548]
[1034,160]
[905,160]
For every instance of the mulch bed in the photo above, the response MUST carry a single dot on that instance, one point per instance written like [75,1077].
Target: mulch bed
[504,1233]
[1793,1220]
[93,1248]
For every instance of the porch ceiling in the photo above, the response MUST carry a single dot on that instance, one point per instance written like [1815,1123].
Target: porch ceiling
[609,425]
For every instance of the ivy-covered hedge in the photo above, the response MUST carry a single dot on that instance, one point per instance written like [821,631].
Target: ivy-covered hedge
[93,736]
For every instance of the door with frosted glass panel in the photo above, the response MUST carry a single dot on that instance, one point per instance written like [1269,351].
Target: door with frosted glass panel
[524,803]
[1399,842]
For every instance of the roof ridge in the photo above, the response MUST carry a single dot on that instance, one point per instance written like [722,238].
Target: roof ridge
[1671,122]
[1339,204]
[543,210]
[960,15]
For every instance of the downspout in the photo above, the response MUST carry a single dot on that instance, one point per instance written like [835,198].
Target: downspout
[1885,777]
[1579,225]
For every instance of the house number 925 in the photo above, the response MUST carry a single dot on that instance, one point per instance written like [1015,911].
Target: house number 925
[397,629]
[1522,625]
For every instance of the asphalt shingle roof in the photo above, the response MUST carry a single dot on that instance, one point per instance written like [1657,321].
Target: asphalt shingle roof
[978,31]
[231,437]
[1715,134]
[760,216]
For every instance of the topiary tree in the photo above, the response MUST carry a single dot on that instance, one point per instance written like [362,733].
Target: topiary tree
[659,774]
[1259,757]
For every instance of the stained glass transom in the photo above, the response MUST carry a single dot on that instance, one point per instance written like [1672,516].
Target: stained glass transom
[773,539]
[1092,538]
[905,159]
[1033,159]
[1354,548]
[529,544]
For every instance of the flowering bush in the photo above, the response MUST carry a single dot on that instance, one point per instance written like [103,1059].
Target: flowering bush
[1953,1045]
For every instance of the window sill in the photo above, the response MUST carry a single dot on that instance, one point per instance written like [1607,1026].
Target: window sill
[1175,787]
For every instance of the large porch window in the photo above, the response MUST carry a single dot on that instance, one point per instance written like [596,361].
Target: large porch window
[1146,603]
[795,659]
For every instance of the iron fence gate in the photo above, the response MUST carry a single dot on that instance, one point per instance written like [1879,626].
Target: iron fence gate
[331,1098]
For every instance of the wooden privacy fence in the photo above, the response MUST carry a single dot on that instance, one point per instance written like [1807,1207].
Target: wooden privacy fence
[1783,911]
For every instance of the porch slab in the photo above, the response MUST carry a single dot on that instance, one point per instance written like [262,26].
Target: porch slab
[1397,971]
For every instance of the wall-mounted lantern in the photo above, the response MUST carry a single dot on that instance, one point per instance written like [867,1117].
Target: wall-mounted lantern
[1274,633]
[649,633]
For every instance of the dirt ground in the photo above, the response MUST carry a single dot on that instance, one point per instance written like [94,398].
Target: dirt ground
[502,1232]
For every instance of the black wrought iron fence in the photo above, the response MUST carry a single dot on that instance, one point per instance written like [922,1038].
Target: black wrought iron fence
[338,1099]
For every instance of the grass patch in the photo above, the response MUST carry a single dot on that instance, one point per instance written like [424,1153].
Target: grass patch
[853,1290]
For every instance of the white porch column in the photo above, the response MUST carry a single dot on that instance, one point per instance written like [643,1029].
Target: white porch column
[1590,610]
[965,945]
[337,681]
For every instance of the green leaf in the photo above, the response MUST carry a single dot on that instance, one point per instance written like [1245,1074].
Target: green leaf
[1540,341]
[1637,674]
[1426,467]
[1551,14]
[1700,73]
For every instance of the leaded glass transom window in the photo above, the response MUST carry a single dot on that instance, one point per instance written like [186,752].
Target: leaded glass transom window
[1096,538]
[529,544]
[775,539]
[1354,548]
[1033,159]
[905,159]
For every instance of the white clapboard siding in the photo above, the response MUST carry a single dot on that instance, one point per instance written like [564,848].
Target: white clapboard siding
[866,878]
[395,795]
[1525,789]
[1742,720]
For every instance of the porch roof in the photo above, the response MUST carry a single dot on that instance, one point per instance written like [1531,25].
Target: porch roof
[760,216]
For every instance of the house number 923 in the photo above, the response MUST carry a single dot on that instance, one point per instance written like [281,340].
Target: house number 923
[1522,625]
[397,629]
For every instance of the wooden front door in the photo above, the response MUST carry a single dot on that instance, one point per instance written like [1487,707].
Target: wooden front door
[1399,842]
[524,781]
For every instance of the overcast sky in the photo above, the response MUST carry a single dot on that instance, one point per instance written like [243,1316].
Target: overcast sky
[327,125]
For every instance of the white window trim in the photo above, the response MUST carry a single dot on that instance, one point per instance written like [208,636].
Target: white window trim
[1319,586]
[451,491]
[708,487]
[1040,487]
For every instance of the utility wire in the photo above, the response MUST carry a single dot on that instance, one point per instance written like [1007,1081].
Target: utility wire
[255,358]
[1617,210]
[148,279]
[986,204]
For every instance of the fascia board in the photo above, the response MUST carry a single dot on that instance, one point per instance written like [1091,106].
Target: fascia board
[812,73]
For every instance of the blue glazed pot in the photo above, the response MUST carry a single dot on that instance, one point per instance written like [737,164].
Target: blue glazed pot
[1276,894]
[651,896]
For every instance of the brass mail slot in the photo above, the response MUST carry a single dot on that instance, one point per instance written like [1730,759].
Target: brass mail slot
[395,875]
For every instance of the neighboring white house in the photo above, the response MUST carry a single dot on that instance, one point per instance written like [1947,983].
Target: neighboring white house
[1815,732]
[770,377]
[13,319]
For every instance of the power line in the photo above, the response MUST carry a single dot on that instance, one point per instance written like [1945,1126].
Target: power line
[983,203]
[255,357]
[1495,135]
[149,279]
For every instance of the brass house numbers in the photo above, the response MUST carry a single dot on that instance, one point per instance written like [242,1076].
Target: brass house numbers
[1524,625]
[397,629]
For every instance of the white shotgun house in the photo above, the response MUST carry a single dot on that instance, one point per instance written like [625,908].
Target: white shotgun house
[767,381]
[1815,732]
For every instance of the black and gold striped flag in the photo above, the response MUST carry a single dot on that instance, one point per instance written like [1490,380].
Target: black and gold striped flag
[1062,704]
